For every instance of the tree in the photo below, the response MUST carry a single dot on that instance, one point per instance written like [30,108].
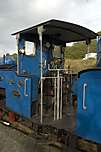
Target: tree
[14,56]
[79,49]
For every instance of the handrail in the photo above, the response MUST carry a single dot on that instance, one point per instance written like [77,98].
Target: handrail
[84,96]
[25,87]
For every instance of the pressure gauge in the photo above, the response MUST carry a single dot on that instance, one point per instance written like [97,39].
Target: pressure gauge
[47,44]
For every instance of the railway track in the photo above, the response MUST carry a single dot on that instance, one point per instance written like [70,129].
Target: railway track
[53,135]
[56,137]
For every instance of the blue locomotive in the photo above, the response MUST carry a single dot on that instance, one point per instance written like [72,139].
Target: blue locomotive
[87,89]
[21,82]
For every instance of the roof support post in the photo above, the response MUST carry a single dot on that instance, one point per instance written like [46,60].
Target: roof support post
[40,31]
[17,42]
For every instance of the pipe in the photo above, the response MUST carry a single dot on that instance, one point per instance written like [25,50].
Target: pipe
[4,59]
[58,93]
[55,99]
[49,77]
[41,79]
[71,100]
[40,31]
[58,69]
[61,101]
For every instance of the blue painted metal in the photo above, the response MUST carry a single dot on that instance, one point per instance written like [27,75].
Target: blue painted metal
[98,51]
[22,89]
[7,60]
[20,104]
[88,123]
[31,64]
[21,44]
[88,91]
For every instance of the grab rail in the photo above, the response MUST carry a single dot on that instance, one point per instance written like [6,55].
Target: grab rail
[25,87]
[84,96]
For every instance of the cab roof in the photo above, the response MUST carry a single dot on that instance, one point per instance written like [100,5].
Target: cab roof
[58,32]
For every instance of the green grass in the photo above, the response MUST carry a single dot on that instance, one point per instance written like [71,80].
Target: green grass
[78,65]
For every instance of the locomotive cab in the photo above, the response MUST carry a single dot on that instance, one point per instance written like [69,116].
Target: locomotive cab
[41,76]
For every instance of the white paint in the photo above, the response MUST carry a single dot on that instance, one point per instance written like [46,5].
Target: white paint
[90,55]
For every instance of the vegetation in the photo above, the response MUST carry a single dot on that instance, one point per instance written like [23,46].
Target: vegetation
[74,55]
[78,64]
[14,56]
[78,50]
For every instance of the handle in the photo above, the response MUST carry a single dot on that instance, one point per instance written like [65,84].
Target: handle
[25,87]
[84,96]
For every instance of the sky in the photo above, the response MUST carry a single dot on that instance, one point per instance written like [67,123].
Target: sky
[16,15]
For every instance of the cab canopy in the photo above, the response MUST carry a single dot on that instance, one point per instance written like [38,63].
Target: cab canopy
[57,32]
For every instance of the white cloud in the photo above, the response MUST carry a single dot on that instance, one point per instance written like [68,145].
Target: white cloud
[47,5]
[18,14]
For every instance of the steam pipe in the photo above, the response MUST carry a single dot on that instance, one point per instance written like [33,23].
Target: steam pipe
[58,95]
[58,69]
[59,98]
[55,99]
[49,77]
[61,101]
[41,79]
